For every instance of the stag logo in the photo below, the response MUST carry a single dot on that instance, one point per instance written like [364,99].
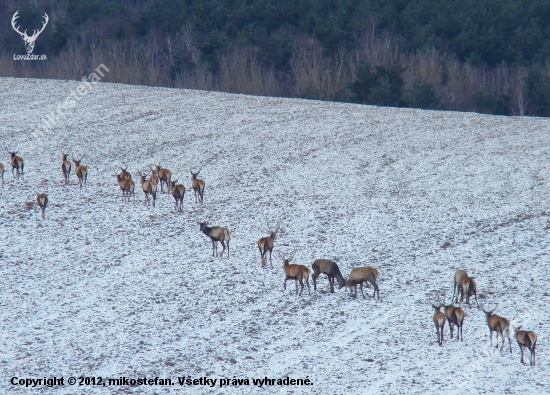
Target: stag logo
[29,40]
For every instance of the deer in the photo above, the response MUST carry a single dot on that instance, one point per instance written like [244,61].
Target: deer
[359,275]
[17,164]
[2,173]
[164,175]
[265,244]
[178,192]
[330,269]
[295,272]
[526,339]
[65,167]
[438,319]
[459,276]
[80,171]
[29,41]
[126,186]
[42,200]
[148,188]
[216,233]
[499,325]
[469,288]
[455,317]
[198,186]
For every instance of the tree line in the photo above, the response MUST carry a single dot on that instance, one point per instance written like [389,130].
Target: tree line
[491,56]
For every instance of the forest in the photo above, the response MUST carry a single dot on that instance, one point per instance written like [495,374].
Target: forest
[489,56]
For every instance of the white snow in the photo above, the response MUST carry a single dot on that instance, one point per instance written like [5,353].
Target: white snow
[106,288]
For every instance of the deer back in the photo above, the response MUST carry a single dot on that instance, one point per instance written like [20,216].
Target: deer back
[526,338]
[460,275]
[328,267]
[42,200]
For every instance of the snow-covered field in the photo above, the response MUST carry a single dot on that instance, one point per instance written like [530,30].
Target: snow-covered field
[106,288]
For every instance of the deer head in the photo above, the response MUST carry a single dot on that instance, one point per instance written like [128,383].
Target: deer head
[29,41]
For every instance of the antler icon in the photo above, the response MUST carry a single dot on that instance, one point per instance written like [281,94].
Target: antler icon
[29,41]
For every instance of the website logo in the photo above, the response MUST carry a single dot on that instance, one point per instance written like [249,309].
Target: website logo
[29,40]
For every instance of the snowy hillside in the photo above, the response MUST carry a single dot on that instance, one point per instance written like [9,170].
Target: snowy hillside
[111,289]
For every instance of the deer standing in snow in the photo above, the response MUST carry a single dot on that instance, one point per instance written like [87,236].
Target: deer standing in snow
[527,339]
[178,192]
[360,275]
[80,171]
[438,319]
[17,164]
[330,269]
[42,200]
[198,186]
[265,244]
[295,272]
[216,233]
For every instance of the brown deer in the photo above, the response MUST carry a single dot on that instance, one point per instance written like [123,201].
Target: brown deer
[438,319]
[2,173]
[154,176]
[330,269]
[360,275]
[216,233]
[455,317]
[198,186]
[295,272]
[65,167]
[459,276]
[178,192]
[17,164]
[527,339]
[126,187]
[164,175]
[148,188]
[80,171]
[499,325]
[42,200]
[265,244]
[469,288]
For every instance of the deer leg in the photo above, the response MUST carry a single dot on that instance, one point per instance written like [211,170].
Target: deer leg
[284,283]
[214,247]
[442,328]
[308,290]
[302,285]
[270,261]
[223,245]
[331,282]
[362,293]
[296,282]
[509,340]
[437,331]
[491,336]
[534,353]
[315,275]
[522,348]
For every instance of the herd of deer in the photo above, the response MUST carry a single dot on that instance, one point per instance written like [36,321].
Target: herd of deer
[464,286]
